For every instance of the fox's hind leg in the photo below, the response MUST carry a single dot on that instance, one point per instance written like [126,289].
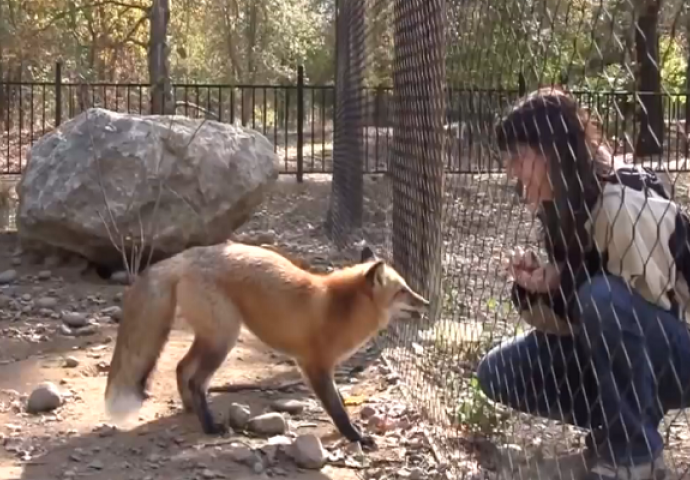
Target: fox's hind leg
[216,324]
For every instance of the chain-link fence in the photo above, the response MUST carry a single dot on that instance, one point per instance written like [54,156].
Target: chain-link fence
[573,358]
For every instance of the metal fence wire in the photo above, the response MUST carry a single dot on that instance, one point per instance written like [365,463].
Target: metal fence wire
[557,267]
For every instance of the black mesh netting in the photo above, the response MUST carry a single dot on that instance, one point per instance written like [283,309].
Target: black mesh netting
[485,116]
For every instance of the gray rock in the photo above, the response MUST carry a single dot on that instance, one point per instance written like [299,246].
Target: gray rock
[47,302]
[71,362]
[238,416]
[44,398]
[121,277]
[307,451]
[45,275]
[258,466]
[8,276]
[16,261]
[113,312]
[272,423]
[215,176]
[90,329]
[287,405]
[75,319]
[241,454]
[367,412]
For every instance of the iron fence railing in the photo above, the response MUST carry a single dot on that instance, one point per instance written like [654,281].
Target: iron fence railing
[299,119]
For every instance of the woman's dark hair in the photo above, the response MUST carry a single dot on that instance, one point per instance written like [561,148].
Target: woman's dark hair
[551,122]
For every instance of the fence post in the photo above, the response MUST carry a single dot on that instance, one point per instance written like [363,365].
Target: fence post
[300,123]
[58,93]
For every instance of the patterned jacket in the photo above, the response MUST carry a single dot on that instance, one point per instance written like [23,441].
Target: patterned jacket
[638,234]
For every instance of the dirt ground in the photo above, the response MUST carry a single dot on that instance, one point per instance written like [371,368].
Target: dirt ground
[76,440]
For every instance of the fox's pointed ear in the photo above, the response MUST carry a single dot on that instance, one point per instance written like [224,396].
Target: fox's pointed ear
[367,254]
[374,273]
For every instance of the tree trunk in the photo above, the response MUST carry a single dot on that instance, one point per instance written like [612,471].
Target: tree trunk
[346,202]
[651,136]
[158,59]
[418,143]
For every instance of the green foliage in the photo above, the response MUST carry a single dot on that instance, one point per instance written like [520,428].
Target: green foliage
[488,43]
[477,413]
[243,41]
[673,64]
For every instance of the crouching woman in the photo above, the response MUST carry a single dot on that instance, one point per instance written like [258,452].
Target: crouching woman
[610,351]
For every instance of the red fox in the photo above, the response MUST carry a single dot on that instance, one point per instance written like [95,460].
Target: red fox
[317,319]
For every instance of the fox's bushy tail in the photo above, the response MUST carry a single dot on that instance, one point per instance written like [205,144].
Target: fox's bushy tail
[148,314]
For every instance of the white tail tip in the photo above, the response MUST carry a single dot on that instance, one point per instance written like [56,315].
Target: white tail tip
[120,405]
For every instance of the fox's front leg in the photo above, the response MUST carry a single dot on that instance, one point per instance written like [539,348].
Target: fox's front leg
[321,380]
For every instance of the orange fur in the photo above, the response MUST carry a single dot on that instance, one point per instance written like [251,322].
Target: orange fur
[318,319]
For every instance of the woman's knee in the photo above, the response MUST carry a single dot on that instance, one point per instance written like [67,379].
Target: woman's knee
[487,376]
[495,369]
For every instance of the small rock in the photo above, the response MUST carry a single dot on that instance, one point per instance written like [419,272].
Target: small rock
[367,412]
[45,274]
[96,465]
[416,474]
[5,301]
[27,297]
[74,319]
[16,261]
[66,331]
[293,407]
[121,277]
[113,312]
[71,362]
[307,451]
[279,440]
[85,331]
[269,237]
[272,423]
[8,276]
[238,416]
[241,454]
[44,398]
[206,473]
[258,467]
[47,302]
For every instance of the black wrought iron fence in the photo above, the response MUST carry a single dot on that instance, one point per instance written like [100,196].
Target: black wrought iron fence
[298,119]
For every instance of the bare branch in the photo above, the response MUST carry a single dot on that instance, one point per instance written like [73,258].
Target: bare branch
[90,6]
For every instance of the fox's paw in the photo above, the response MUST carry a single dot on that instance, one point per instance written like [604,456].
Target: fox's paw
[367,442]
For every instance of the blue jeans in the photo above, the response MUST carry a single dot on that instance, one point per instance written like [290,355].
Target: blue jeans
[625,368]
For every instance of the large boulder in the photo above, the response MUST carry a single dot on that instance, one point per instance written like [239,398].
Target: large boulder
[104,175]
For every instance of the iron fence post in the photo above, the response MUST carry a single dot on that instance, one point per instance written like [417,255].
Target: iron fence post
[58,93]
[300,123]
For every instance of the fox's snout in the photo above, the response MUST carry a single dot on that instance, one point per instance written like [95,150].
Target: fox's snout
[414,302]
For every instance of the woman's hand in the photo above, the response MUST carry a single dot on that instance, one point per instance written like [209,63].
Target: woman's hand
[540,280]
[525,269]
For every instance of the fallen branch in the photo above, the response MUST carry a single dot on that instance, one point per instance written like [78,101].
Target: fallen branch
[240,387]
